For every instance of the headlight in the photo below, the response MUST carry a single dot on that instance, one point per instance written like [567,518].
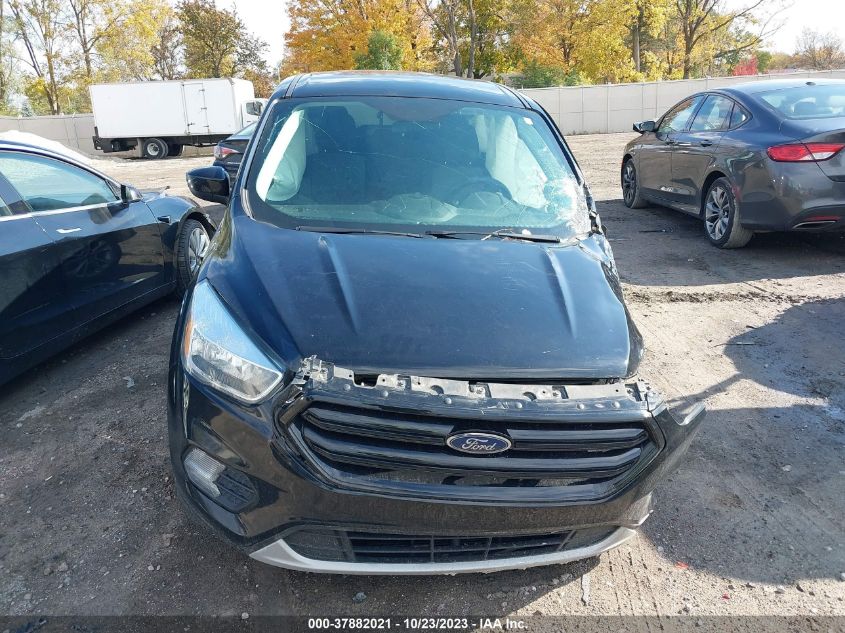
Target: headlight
[216,351]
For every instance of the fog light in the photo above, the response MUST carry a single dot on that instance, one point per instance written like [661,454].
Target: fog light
[203,470]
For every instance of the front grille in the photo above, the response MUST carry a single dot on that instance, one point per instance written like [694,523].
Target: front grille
[374,547]
[408,452]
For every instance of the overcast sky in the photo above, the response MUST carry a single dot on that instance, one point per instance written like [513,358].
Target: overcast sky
[268,19]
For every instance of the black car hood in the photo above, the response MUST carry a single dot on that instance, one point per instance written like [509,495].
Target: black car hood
[441,308]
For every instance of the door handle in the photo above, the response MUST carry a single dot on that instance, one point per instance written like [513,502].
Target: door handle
[164,218]
[705,143]
[66,231]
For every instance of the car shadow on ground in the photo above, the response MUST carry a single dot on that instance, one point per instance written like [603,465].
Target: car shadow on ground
[775,494]
[656,246]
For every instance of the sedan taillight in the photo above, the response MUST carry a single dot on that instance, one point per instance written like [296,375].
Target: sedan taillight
[221,152]
[802,152]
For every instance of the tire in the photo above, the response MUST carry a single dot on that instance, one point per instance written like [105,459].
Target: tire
[154,148]
[191,249]
[174,149]
[631,186]
[722,224]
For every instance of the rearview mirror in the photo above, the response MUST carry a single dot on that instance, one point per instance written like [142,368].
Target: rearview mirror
[209,183]
[645,126]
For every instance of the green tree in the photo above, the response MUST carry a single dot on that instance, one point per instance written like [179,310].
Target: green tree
[537,75]
[471,35]
[216,41]
[383,53]
[764,60]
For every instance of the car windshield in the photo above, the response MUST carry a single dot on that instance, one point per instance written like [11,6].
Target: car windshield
[807,102]
[413,164]
[247,132]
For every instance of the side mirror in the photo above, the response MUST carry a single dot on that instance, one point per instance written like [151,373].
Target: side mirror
[128,194]
[645,126]
[209,183]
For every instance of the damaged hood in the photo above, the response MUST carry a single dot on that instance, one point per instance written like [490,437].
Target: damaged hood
[427,307]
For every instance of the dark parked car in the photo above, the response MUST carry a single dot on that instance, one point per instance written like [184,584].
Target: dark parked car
[763,156]
[408,350]
[229,152]
[79,250]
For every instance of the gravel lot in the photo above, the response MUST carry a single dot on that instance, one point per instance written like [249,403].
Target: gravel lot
[751,524]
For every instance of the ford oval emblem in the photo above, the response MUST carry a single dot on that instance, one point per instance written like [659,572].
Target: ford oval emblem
[478,443]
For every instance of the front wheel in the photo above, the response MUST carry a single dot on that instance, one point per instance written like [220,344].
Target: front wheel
[631,186]
[721,217]
[191,251]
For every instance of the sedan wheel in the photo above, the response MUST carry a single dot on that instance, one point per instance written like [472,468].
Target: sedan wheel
[721,217]
[193,246]
[197,247]
[631,187]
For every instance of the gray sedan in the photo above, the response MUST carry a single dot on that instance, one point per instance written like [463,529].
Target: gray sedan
[763,156]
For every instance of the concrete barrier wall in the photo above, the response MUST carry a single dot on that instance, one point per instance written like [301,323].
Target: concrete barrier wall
[74,131]
[615,107]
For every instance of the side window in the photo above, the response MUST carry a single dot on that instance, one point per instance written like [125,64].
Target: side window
[46,184]
[738,116]
[677,118]
[714,115]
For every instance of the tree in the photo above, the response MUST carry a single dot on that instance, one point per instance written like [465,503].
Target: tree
[383,53]
[40,26]
[9,67]
[330,34]
[536,75]
[216,41]
[90,21]
[700,20]
[166,50]
[649,18]
[127,50]
[587,36]
[819,51]
[764,60]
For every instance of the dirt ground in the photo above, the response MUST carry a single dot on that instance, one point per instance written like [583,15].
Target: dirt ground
[751,524]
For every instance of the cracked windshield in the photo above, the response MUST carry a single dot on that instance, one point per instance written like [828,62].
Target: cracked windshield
[416,164]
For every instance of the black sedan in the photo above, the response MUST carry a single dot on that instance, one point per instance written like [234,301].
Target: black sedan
[764,156]
[229,152]
[408,351]
[79,250]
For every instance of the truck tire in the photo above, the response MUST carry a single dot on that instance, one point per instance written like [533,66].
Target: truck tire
[174,149]
[153,148]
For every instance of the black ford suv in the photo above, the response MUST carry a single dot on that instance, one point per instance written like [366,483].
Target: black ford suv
[407,350]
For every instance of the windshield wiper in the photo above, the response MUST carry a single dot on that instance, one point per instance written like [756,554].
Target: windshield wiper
[349,230]
[502,233]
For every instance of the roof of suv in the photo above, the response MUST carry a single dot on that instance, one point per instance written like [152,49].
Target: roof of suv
[350,83]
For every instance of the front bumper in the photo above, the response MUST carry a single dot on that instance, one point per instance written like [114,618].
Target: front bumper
[294,490]
[281,554]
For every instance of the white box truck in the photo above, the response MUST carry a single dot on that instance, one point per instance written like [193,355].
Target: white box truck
[160,117]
